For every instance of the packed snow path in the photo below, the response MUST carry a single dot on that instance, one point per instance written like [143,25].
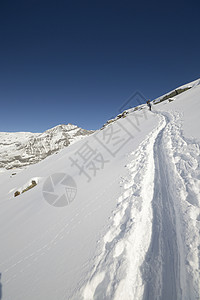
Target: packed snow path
[163,257]
[149,251]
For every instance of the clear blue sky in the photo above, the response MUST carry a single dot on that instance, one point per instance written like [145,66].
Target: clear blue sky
[78,61]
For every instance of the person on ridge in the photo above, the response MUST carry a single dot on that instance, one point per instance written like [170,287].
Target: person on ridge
[149,104]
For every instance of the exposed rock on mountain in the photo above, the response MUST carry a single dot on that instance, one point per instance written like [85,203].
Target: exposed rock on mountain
[23,148]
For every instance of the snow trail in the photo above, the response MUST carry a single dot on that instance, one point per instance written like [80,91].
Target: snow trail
[169,267]
[184,156]
[146,253]
[116,272]
[162,263]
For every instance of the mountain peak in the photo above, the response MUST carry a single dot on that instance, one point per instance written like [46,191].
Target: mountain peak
[17,149]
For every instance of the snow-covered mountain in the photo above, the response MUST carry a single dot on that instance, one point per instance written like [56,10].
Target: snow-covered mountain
[179,90]
[23,148]
[114,216]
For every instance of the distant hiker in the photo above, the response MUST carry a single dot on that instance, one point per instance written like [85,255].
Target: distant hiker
[149,104]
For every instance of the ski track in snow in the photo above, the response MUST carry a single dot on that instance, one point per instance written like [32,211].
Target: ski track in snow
[184,155]
[161,268]
[152,246]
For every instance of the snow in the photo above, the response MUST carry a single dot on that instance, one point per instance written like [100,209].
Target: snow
[132,230]
[189,105]
[188,85]
[18,149]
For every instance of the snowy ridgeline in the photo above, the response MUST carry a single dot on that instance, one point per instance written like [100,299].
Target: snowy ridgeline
[115,216]
[18,149]
[23,148]
[172,95]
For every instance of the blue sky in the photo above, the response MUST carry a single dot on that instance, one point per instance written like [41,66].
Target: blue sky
[79,61]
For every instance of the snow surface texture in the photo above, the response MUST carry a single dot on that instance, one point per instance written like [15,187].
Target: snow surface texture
[19,149]
[131,232]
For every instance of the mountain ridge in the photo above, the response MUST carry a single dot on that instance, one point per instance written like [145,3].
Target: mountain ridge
[18,149]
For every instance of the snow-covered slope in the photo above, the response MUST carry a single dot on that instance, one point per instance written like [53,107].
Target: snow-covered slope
[177,91]
[114,216]
[23,148]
